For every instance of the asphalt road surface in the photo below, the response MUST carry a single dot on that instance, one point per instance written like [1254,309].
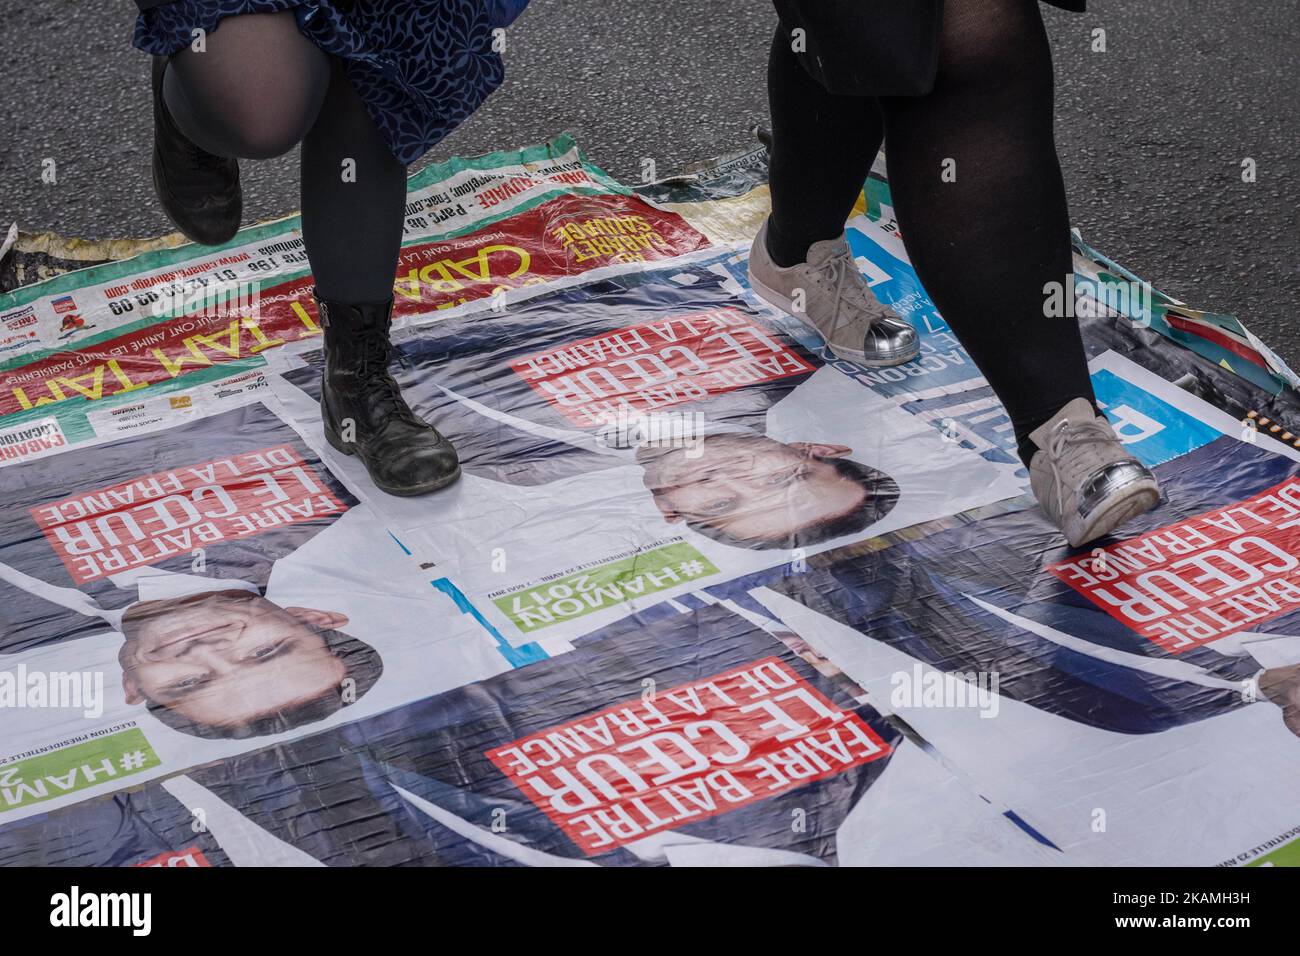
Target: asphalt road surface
[1152,132]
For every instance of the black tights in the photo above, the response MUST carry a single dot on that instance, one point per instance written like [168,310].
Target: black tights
[261,87]
[983,245]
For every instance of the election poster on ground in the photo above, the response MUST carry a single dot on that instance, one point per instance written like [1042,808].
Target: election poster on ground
[646,746]
[179,595]
[1117,696]
[638,436]
[180,321]
[704,595]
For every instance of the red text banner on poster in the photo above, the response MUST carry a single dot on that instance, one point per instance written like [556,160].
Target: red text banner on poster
[566,236]
[177,858]
[686,754]
[563,237]
[641,368]
[1192,582]
[155,517]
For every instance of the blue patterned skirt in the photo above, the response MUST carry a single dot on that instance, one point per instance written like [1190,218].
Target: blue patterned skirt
[420,66]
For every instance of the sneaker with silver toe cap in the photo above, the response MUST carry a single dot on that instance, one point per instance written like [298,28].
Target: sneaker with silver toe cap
[836,302]
[1083,478]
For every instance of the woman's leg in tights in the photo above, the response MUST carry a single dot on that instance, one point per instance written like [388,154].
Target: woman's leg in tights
[353,197]
[986,244]
[253,92]
[258,89]
[822,149]
[823,146]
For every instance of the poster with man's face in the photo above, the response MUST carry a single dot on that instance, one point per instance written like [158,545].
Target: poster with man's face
[644,746]
[171,597]
[641,436]
[1116,697]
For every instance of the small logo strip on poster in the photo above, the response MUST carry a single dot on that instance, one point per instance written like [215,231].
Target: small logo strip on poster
[79,766]
[154,517]
[1193,582]
[686,754]
[604,585]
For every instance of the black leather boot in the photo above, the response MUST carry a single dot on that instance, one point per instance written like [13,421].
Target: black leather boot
[364,412]
[199,192]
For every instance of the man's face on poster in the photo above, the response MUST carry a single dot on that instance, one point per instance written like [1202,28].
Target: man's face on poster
[751,488]
[1281,685]
[228,657]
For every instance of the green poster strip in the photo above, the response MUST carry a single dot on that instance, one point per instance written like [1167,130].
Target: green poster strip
[1286,855]
[605,585]
[76,767]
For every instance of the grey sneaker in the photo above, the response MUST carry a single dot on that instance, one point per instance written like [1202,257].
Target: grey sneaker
[1082,476]
[836,302]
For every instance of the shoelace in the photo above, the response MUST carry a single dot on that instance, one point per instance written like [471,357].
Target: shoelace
[842,270]
[202,158]
[1066,433]
[372,368]
[203,161]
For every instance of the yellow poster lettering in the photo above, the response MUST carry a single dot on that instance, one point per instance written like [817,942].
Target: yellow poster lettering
[261,341]
[123,379]
[231,349]
[227,342]
[56,395]
[305,318]
[177,365]
[483,263]
[93,391]
[408,286]
[446,285]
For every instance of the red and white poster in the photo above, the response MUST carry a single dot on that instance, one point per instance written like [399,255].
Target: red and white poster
[1190,583]
[686,754]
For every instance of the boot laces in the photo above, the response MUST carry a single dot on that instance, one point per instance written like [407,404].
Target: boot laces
[844,276]
[205,160]
[201,161]
[374,352]
[1069,434]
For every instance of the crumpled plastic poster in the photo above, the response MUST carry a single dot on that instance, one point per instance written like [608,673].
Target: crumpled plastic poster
[93,348]
[177,596]
[631,439]
[1150,680]
[704,595]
